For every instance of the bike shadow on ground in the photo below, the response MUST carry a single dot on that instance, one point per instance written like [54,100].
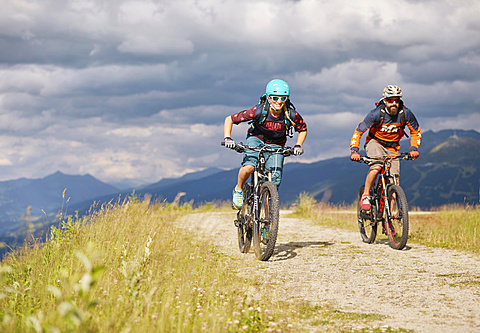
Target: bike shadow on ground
[287,251]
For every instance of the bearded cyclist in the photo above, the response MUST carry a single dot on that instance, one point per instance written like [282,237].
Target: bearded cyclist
[386,123]
[271,119]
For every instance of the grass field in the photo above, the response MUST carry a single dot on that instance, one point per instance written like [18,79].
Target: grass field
[453,226]
[127,268]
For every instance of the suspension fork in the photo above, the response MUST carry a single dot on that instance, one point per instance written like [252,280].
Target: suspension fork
[387,203]
[256,186]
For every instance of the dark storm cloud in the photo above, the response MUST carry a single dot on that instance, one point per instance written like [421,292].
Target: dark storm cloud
[140,89]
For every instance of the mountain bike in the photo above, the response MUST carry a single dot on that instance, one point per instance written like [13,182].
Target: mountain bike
[258,218]
[388,206]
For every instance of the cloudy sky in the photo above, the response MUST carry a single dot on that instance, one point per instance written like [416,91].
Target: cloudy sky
[139,89]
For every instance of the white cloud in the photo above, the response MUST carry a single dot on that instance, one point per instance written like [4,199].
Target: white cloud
[140,89]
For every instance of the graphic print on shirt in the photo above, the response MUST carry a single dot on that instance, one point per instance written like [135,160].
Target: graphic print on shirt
[390,128]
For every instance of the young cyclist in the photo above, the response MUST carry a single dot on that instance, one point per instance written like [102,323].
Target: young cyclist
[386,123]
[271,119]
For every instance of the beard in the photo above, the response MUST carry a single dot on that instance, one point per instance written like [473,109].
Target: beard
[392,110]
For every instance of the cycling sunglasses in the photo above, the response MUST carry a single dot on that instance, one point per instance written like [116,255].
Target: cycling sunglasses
[277,98]
[393,100]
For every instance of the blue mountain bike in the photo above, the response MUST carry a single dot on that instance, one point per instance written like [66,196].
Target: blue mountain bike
[258,218]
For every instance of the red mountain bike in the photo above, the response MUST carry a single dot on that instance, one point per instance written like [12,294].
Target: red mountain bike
[388,206]
[259,216]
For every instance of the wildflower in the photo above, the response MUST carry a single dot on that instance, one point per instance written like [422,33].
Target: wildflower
[244,328]
[154,316]
[272,324]
[267,312]
[259,310]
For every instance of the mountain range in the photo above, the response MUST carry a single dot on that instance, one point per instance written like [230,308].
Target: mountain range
[447,171]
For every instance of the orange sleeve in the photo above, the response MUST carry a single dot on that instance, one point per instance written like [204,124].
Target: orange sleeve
[415,136]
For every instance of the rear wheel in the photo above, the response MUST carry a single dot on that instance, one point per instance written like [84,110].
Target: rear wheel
[244,236]
[266,228]
[397,222]
[366,224]
[244,225]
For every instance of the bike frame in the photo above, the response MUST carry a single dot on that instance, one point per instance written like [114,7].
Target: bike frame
[379,191]
[382,187]
[257,178]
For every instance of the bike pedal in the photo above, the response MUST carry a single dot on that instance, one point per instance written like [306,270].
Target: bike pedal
[237,223]
[365,211]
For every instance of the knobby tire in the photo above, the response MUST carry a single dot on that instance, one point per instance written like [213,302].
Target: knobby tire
[269,205]
[244,238]
[397,224]
[244,229]
[367,226]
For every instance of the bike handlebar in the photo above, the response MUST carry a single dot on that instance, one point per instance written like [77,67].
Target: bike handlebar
[401,156]
[240,148]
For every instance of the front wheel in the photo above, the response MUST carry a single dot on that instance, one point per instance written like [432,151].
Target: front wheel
[265,229]
[366,224]
[397,221]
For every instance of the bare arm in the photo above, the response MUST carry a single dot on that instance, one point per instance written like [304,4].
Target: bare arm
[301,138]
[227,127]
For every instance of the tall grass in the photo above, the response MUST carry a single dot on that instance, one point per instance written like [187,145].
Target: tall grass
[127,268]
[450,226]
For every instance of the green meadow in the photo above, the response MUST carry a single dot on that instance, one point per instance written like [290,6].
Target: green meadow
[127,268]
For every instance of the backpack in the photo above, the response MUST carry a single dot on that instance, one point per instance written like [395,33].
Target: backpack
[289,115]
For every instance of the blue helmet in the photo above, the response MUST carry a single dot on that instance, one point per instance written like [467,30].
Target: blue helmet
[278,87]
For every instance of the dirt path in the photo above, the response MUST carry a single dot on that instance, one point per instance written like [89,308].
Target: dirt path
[420,288]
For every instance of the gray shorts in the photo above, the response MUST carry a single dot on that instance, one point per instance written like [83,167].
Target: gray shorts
[374,149]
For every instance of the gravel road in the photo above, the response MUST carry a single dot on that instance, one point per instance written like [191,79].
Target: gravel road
[420,288]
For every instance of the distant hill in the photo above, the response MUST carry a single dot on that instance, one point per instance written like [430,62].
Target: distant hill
[45,195]
[446,172]
[445,155]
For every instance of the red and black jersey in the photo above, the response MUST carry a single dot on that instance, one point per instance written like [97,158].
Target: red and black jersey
[272,130]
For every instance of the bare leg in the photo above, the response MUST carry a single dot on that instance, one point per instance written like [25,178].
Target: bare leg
[371,176]
[243,175]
